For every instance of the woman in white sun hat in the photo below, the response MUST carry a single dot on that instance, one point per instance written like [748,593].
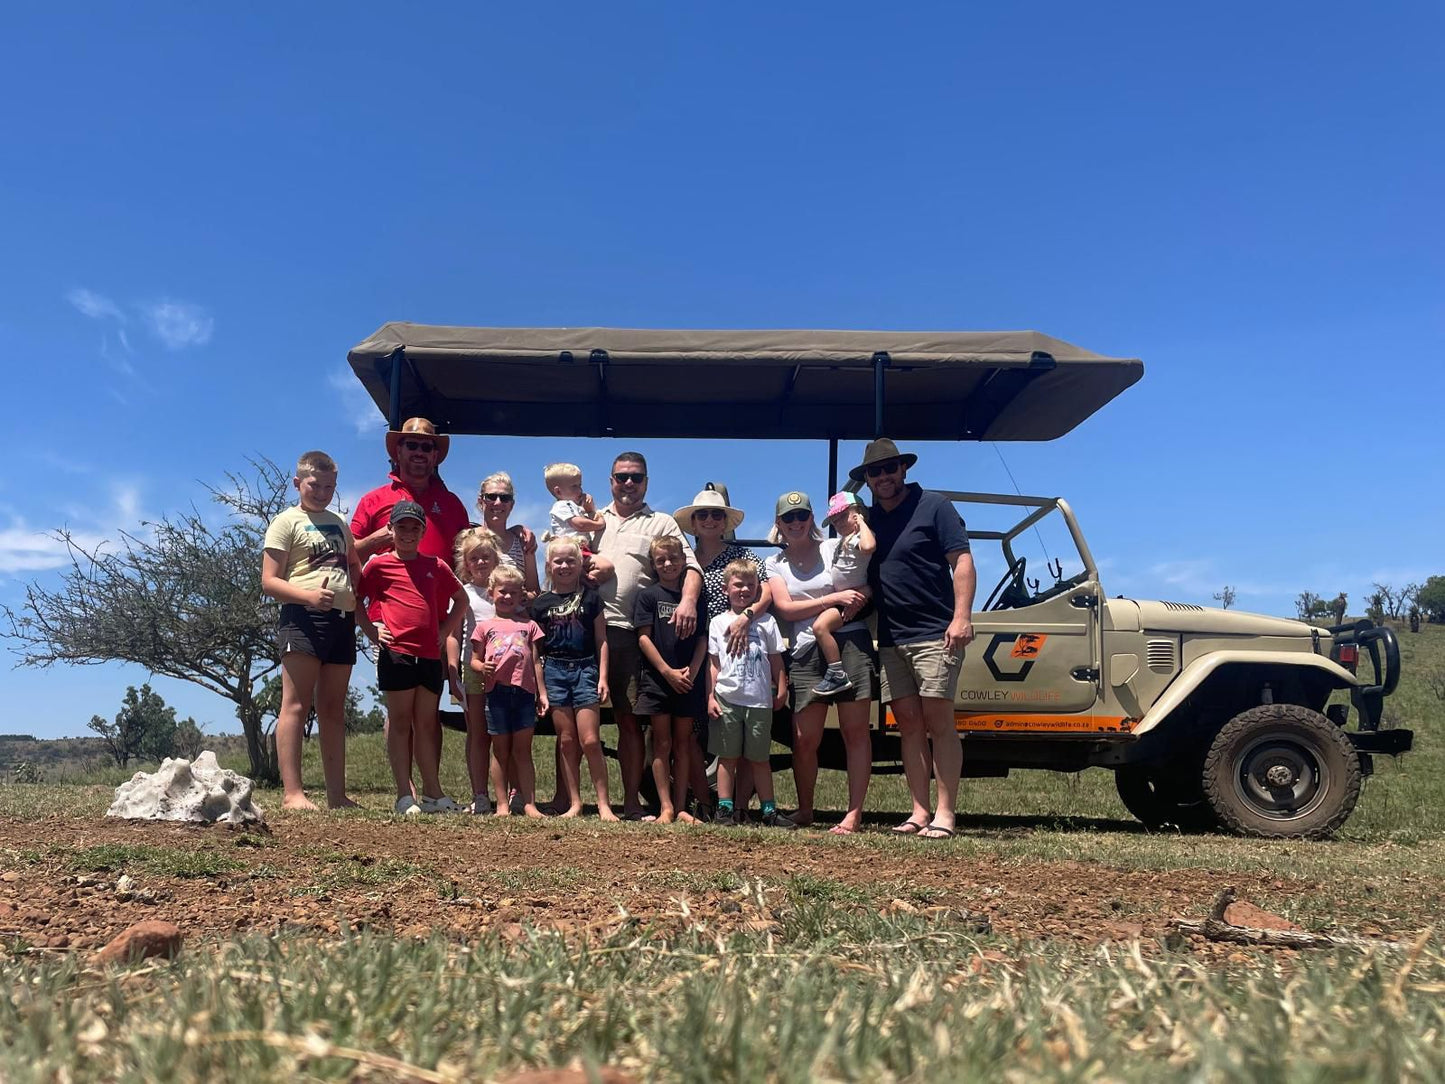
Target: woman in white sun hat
[709,519]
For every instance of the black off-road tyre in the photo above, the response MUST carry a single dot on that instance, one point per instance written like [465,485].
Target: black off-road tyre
[1282,771]
[1161,801]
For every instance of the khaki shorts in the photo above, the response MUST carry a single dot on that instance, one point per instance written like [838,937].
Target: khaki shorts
[473,684]
[920,669]
[741,732]
[624,662]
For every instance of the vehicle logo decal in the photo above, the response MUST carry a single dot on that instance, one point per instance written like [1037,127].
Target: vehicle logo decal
[1029,642]
[1028,646]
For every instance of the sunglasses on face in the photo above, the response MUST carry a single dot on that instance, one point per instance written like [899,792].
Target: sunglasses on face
[795,517]
[499,498]
[888,466]
[418,445]
[710,513]
[622,477]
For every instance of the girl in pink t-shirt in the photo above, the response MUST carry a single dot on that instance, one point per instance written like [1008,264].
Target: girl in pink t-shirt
[503,653]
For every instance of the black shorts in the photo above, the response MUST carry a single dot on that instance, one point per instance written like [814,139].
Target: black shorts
[397,672]
[656,697]
[328,635]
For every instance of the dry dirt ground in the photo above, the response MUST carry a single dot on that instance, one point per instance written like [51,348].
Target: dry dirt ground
[313,874]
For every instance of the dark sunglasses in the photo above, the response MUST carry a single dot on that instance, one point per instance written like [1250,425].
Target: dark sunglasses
[500,498]
[622,477]
[709,513]
[888,466]
[418,445]
[800,516]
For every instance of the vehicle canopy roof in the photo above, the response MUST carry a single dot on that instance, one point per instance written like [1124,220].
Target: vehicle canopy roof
[780,384]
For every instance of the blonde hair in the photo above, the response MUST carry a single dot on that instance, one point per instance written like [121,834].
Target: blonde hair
[743,569]
[311,463]
[471,540]
[554,474]
[775,536]
[501,478]
[554,544]
[505,573]
[664,542]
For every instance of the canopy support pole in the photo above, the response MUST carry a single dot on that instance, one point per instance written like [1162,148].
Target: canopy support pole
[393,414]
[832,465]
[881,361]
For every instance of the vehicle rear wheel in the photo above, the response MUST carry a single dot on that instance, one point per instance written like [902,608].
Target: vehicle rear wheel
[1282,771]
[1162,798]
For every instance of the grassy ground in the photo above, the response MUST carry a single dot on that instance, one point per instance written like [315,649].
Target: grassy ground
[827,984]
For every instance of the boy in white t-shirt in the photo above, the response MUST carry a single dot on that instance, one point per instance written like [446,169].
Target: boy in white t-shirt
[849,570]
[309,565]
[745,688]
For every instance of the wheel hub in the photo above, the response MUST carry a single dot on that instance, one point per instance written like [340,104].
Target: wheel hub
[1280,777]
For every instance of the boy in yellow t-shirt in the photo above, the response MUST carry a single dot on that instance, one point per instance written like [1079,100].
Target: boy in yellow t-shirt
[309,565]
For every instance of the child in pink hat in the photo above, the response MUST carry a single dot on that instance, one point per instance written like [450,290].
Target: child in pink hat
[850,573]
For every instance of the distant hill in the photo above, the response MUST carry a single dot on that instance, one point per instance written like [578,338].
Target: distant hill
[62,759]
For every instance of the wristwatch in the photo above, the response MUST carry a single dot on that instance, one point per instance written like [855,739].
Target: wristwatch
[748,612]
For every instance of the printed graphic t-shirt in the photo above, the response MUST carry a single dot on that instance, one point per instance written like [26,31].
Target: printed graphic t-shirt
[507,645]
[746,680]
[410,598]
[568,623]
[317,546]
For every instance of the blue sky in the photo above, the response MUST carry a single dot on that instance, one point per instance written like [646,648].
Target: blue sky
[202,207]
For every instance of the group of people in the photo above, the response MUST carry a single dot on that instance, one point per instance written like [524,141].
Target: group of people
[683,630]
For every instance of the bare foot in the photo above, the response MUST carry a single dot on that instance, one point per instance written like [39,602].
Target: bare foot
[687,818]
[344,803]
[502,810]
[667,816]
[532,811]
[298,801]
[605,813]
[570,812]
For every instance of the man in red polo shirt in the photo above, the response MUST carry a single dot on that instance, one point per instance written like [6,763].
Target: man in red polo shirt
[415,450]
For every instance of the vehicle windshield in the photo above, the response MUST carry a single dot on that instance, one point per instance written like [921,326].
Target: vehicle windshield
[1027,534]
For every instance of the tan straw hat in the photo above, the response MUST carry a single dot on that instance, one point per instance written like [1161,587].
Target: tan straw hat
[708,498]
[417,427]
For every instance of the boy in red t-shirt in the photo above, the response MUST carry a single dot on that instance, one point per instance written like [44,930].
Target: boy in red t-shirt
[414,603]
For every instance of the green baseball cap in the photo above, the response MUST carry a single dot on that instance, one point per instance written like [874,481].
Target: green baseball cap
[793,501]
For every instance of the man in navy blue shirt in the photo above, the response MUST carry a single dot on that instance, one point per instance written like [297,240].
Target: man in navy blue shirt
[923,583]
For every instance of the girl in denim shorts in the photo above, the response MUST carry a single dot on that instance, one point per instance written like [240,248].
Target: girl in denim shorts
[574,671]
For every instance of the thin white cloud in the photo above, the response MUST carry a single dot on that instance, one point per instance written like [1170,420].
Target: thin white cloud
[25,548]
[356,403]
[179,324]
[94,305]
[125,341]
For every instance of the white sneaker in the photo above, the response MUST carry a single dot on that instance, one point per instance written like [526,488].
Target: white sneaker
[481,805]
[406,806]
[439,805]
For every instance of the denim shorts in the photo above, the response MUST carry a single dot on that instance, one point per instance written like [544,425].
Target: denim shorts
[510,708]
[571,683]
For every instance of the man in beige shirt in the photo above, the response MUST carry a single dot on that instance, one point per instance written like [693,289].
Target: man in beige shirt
[628,527]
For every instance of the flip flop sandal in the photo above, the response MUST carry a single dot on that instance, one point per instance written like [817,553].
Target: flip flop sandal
[939,831]
[907,828]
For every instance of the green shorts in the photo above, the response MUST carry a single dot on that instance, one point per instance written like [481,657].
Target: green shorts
[741,732]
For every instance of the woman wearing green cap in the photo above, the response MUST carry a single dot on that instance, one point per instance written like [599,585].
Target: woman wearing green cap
[802,587]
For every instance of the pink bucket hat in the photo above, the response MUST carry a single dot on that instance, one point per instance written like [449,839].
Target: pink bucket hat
[840,503]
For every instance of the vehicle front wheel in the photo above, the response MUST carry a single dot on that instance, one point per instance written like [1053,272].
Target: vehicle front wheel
[1159,799]
[1282,771]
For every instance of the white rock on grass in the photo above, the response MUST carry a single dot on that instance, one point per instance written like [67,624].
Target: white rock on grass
[185,790]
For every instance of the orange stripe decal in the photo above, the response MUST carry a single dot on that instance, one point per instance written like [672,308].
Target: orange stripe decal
[986,722]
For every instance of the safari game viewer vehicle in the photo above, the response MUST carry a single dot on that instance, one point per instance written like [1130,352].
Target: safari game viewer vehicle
[1207,717]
